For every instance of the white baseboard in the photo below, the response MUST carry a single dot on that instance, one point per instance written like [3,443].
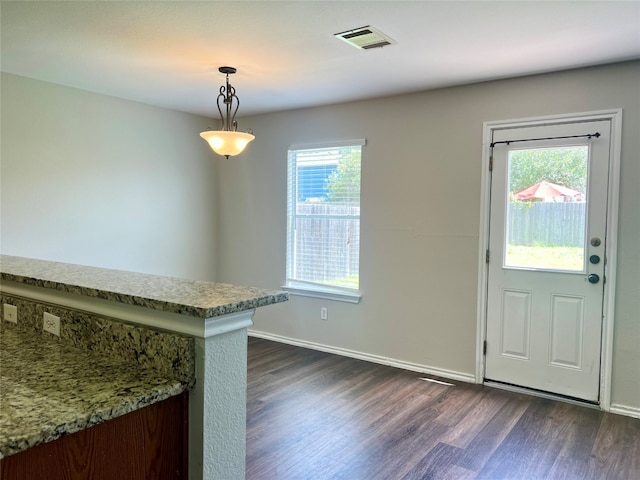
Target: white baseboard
[414,367]
[625,410]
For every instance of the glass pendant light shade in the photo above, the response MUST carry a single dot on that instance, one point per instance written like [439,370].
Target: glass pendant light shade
[227,143]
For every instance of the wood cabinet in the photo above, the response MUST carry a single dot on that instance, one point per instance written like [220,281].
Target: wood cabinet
[150,443]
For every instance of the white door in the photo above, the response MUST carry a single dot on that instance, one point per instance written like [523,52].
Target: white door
[546,257]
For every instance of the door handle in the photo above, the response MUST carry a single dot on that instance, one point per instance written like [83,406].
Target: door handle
[595,259]
[593,278]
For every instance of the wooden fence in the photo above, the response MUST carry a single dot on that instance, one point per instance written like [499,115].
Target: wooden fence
[546,224]
[327,242]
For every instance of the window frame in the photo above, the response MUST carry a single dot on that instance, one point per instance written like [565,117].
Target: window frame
[308,288]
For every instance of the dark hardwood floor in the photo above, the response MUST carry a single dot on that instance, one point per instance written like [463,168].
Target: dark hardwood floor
[316,416]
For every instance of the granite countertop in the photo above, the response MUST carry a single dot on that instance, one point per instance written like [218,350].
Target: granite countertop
[49,389]
[194,298]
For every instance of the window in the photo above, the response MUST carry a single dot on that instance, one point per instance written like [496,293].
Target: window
[546,208]
[323,220]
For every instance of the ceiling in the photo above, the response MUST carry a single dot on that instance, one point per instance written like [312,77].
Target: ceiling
[167,53]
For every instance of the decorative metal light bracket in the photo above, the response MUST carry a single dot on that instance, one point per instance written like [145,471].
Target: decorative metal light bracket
[228,95]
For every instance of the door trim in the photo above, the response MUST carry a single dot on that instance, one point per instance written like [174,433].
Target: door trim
[615,116]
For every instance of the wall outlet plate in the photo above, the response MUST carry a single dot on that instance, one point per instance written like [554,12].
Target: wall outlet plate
[324,314]
[51,324]
[10,313]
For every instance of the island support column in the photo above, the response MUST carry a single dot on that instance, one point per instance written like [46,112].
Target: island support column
[218,401]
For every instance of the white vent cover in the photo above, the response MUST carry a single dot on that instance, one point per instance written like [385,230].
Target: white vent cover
[365,38]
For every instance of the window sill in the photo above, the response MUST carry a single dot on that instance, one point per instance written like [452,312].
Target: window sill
[326,293]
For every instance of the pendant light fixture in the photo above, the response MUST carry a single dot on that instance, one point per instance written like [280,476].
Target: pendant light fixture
[227,141]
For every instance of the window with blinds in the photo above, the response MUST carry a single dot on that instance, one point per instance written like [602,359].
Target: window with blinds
[323,217]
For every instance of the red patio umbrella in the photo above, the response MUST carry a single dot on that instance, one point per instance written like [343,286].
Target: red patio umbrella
[544,190]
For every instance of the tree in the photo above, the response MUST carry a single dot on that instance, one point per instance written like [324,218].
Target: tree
[565,166]
[343,185]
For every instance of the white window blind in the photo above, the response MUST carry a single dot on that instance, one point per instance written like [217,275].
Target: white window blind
[323,216]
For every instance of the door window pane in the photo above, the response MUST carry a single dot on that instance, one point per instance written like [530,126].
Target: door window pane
[546,208]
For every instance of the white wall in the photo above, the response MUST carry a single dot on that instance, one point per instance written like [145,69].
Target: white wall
[122,185]
[100,181]
[420,216]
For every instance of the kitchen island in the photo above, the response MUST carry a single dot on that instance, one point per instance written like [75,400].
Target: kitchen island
[68,412]
[203,322]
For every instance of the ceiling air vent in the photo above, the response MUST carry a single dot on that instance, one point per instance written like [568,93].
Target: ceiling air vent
[365,38]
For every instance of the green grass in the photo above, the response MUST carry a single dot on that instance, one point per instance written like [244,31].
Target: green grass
[557,258]
[352,281]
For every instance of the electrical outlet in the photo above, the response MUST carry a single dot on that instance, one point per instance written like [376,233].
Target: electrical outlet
[324,314]
[10,313]
[51,324]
